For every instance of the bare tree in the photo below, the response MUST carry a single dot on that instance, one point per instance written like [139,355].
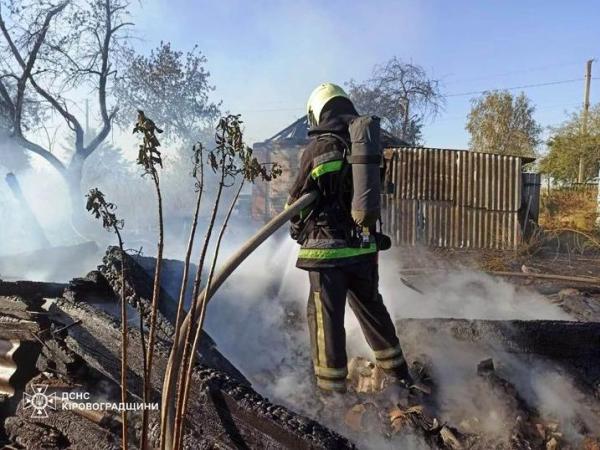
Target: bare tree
[101,209]
[221,160]
[402,94]
[229,159]
[198,173]
[49,49]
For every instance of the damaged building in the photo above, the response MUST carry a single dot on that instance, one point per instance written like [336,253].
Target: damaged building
[491,380]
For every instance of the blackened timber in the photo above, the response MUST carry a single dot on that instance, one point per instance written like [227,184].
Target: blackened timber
[138,289]
[221,400]
[555,339]
[31,289]
[573,346]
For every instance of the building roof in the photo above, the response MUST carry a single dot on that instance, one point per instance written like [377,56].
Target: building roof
[524,159]
[297,133]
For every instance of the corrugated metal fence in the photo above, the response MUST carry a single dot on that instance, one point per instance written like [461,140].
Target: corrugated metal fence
[453,198]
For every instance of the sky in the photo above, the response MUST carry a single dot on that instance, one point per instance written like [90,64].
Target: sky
[266,56]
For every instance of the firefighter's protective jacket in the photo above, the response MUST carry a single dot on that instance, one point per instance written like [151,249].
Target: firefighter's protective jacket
[340,266]
[324,230]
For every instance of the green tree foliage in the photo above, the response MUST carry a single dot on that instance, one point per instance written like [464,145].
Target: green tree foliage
[173,88]
[402,94]
[568,143]
[502,123]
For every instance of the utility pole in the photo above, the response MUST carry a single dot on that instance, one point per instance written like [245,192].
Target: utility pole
[586,108]
[598,203]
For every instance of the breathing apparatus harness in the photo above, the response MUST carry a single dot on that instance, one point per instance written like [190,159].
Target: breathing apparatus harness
[357,235]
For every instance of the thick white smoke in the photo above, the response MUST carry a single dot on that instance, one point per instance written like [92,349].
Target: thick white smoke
[258,317]
[46,199]
[258,321]
[255,303]
[45,194]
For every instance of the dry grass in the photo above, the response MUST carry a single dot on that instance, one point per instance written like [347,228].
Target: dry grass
[567,217]
[491,262]
[575,209]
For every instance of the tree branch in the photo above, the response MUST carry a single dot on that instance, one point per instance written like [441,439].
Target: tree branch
[39,150]
[27,67]
[7,100]
[101,135]
[104,74]
[70,118]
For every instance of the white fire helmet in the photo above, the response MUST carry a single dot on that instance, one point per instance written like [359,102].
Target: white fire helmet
[319,98]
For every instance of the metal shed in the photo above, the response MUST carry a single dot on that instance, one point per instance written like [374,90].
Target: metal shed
[440,197]
[458,198]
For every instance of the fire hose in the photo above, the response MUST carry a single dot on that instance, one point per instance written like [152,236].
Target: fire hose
[170,381]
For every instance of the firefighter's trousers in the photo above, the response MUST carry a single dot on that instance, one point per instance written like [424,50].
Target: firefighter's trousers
[329,288]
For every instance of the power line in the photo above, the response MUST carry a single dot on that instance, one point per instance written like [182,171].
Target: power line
[513,72]
[459,94]
[513,88]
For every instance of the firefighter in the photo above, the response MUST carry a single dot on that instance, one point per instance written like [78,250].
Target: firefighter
[338,266]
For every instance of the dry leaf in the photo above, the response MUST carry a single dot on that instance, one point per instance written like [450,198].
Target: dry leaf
[450,439]
[354,417]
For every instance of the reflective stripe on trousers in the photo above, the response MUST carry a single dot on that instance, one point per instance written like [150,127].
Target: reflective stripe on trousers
[330,378]
[390,358]
[325,312]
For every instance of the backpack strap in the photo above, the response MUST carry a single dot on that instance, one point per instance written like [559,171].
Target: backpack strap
[348,156]
[364,159]
[339,139]
[345,172]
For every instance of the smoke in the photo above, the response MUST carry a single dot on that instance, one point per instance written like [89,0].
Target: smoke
[46,202]
[37,221]
[460,294]
[258,317]
[41,252]
[556,396]
[258,321]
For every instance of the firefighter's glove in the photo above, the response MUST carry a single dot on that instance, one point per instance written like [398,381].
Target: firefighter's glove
[296,230]
[383,241]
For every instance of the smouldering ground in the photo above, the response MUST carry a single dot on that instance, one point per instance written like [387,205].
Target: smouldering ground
[522,400]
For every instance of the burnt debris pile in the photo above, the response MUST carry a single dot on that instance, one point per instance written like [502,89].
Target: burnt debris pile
[482,384]
[65,338]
